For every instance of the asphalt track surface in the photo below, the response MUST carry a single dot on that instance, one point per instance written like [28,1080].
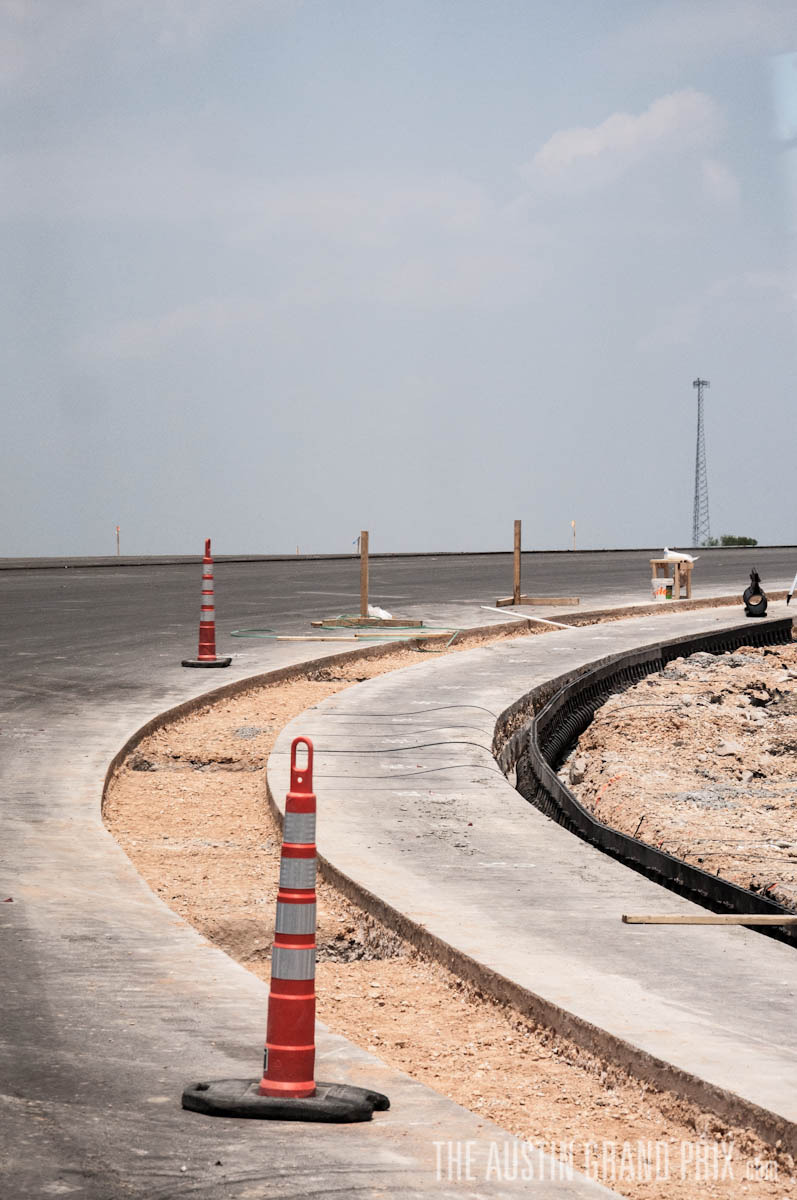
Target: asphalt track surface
[46,611]
[89,655]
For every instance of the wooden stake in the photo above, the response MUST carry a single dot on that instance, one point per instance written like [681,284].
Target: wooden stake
[517,596]
[516,581]
[553,601]
[705,919]
[370,622]
[412,636]
[364,573]
[284,637]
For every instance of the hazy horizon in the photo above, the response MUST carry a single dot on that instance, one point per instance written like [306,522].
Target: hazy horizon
[375,551]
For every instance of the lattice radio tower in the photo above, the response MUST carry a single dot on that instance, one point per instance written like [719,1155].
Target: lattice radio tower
[701,531]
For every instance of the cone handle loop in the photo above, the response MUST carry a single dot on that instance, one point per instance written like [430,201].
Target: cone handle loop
[301,777]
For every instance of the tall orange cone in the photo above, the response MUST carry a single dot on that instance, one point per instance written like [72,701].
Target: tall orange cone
[288,1090]
[290,1047]
[206,655]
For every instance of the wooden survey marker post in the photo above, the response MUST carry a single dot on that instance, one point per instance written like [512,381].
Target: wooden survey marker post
[517,597]
[364,573]
[516,566]
[351,621]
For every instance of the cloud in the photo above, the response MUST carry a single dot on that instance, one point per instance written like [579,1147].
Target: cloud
[720,185]
[674,123]
[42,41]
[493,268]
[395,237]
[367,208]
[148,336]
[687,32]
[727,303]
[414,241]
[153,174]
[490,272]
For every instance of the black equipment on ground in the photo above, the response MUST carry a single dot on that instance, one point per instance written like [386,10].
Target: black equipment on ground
[755,601]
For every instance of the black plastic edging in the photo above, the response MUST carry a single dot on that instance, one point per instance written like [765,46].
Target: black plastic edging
[564,717]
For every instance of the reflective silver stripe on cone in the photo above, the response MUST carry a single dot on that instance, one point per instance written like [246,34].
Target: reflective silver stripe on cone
[297,873]
[299,828]
[295,918]
[293,964]
[207,614]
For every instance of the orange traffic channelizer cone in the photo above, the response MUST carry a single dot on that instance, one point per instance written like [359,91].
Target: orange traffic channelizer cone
[206,655]
[290,1048]
[288,1090]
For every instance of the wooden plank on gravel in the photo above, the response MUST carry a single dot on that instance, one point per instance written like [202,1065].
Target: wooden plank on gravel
[309,637]
[420,636]
[552,600]
[369,622]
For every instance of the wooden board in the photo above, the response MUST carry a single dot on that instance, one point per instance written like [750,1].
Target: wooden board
[369,622]
[552,600]
[706,919]
[309,637]
[421,636]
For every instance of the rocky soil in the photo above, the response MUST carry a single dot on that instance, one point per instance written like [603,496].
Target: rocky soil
[700,760]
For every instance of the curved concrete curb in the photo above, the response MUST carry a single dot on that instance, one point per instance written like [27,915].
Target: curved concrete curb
[478,633]
[588,1036]
[372,856]
[252,683]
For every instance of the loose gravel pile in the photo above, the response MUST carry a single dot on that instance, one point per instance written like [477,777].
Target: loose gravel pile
[700,760]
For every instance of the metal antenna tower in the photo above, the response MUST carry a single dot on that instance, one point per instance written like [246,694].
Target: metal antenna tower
[700,522]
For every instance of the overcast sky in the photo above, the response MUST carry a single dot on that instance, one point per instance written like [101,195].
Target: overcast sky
[279,270]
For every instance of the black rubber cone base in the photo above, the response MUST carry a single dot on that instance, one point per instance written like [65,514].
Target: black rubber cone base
[216,662]
[332,1102]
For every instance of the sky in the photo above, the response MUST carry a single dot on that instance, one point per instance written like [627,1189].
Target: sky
[277,271]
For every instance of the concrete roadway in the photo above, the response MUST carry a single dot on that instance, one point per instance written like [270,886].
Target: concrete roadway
[110,1003]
